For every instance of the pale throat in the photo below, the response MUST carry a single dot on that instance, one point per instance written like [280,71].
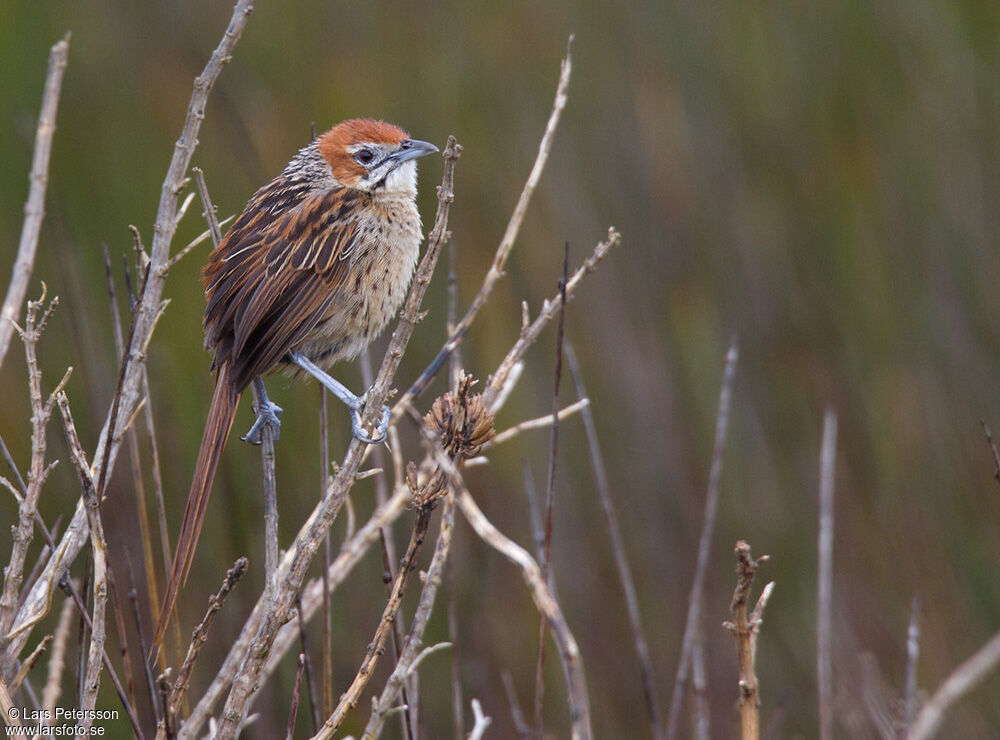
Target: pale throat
[402,181]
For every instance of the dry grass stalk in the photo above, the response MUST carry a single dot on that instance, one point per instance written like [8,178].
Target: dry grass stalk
[34,209]
[57,659]
[912,656]
[146,313]
[618,548]
[307,666]
[746,628]
[550,494]
[958,684]
[294,708]
[692,624]
[135,459]
[824,596]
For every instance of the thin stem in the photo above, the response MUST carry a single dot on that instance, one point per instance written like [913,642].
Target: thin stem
[34,209]
[745,628]
[912,656]
[550,491]
[959,683]
[350,697]
[618,548]
[496,270]
[824,595]
[200,635]
[704,542]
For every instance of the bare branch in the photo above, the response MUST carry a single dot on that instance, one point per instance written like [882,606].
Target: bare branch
[350,554]
[34,209]
[540,422]
[493,391]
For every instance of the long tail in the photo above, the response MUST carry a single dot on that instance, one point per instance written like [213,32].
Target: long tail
[220,421]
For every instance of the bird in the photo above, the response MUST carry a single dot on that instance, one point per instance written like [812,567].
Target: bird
[308,274]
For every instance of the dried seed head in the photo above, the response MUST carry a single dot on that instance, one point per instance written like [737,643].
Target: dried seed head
[462,422]
[430,490]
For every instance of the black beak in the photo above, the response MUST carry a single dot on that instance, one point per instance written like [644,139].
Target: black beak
[411,149]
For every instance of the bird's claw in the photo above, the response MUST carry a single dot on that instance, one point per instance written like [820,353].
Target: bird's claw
[267,415]
[381,427]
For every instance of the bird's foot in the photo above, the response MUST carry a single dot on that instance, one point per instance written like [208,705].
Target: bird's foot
[381,426]
[267,415]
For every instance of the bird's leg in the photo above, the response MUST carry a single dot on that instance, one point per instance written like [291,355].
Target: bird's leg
[267,414]
[355,403]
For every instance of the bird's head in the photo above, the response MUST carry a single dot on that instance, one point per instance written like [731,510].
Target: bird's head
[373,156]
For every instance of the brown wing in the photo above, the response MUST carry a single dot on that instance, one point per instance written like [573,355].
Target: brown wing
[271,280]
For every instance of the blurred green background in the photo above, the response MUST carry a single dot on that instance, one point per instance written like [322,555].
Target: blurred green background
[820,180]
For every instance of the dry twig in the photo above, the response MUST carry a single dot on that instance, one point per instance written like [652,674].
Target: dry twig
[350,697]
[481,721]
[691,626]
[41,411]
[98,629]
[411,653]
[350,554]
[200,635]
[34,209]
[746,628]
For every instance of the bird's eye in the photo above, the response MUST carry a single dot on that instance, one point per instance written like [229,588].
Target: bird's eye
[364,156]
